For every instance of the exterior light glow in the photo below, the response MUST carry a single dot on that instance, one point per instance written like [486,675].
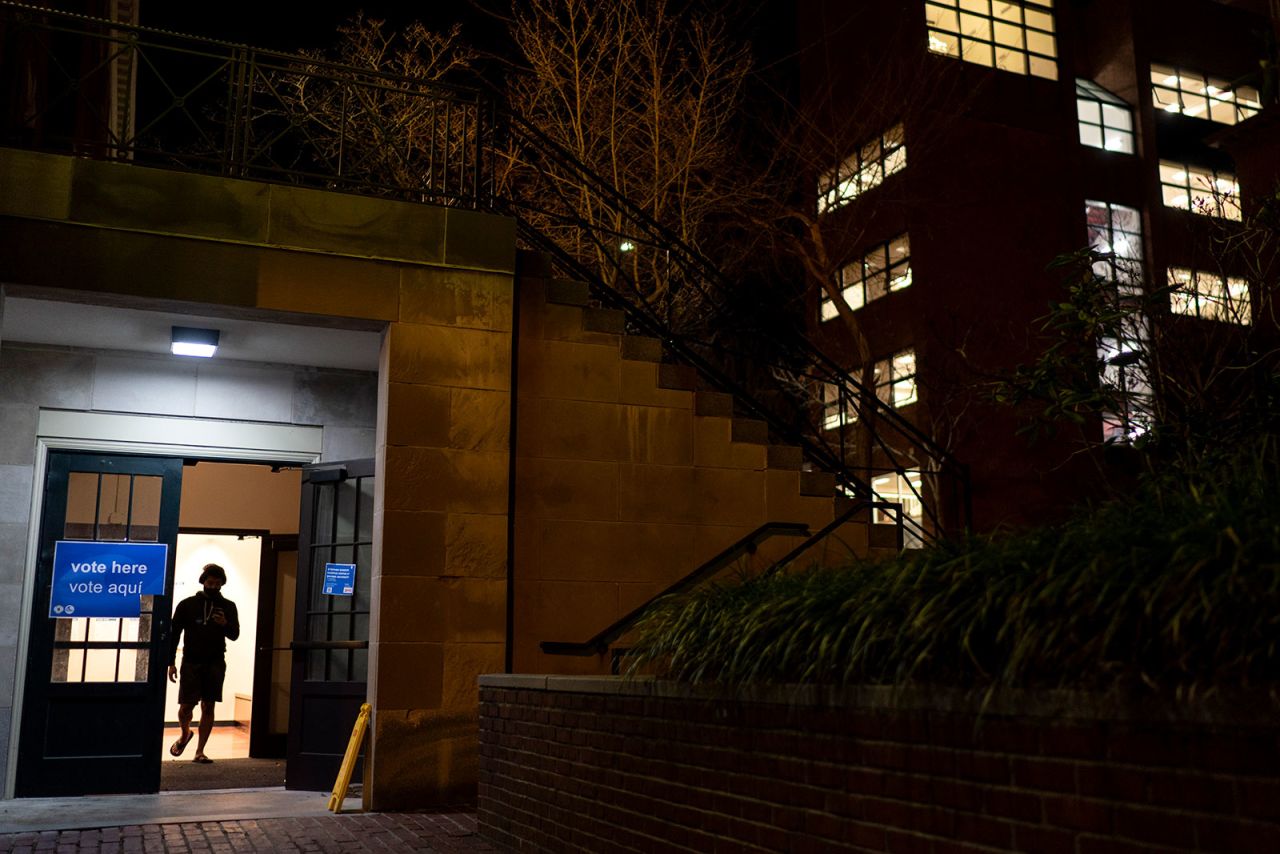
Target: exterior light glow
[189,341]
[626,246]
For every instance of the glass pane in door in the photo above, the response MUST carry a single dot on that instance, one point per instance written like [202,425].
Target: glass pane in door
[116,508]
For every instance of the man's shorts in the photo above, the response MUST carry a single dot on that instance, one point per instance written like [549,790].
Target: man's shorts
[198,682]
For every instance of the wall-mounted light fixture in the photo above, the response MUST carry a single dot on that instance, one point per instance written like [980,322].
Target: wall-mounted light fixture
[189,341]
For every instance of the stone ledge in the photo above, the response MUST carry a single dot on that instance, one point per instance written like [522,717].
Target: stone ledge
[513,681]
[1244,709]
[125,197]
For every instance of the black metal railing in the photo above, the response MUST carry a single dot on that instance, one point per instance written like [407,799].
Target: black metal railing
[605,641]
[102,89]
[596,235]
[116,91]
[599,643]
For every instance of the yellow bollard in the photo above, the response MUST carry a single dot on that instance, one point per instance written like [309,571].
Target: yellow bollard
[349,760]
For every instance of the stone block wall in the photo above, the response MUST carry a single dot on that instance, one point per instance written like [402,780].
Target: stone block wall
[606,765]
[443,440]
[628,476]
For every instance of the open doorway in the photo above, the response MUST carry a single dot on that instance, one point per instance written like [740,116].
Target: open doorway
[244,518]
[240,554]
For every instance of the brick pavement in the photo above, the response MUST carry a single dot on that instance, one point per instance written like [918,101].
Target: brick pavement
[349,834]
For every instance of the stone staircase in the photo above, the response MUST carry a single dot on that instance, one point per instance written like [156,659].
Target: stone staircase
[684,474]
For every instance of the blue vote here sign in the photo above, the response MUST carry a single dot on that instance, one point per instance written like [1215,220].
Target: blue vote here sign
[339,579]
[105,579]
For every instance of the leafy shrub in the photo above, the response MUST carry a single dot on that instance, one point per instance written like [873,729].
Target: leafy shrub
[1176,587]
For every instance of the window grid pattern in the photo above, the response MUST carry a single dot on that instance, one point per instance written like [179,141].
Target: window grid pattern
[883,270]
[1106,122]
[1116,232]
[895,384]
[1199,190]
[1012,35]
[1197,293]
[863,170]
[105,507]
[1177,90]
[895,379]
[347,506]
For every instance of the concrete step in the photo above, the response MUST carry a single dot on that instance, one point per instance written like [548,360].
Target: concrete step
[819,483]
[787,457]
[568,292]
[713,403]
[749,430]
[640,348]
[603,320]
[677,376]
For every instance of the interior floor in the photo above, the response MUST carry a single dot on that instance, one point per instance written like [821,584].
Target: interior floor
[227,741]
[228,747]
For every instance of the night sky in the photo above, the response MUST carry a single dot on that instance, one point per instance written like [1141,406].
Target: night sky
[294,24]
[290,25]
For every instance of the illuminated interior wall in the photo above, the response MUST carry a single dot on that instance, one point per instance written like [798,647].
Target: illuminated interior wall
[240,558]
[250,497]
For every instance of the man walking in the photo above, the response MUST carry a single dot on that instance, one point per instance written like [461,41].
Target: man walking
[209,621]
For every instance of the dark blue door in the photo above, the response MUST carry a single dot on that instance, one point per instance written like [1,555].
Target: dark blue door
[93,702]
[330,629]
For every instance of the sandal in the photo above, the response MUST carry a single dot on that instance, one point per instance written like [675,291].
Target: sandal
[181,744]
[202,759]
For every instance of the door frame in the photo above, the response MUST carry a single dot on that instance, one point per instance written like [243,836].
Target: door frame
[113,433]
[262,743]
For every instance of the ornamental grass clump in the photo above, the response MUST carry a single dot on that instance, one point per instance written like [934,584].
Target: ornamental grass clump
[1175,587]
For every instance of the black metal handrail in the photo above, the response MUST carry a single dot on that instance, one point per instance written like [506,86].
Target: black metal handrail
[599,643]
[830,528]
[596,261]
[214,106]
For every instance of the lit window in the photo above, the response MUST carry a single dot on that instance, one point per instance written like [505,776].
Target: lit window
[1012,35]
[864,169]
[885,269]
[1177,90]
[1124,374]
[895,383]
[895,379]
[1208,295]
[1105,120]
[1200,190]
[1116,232]
[905,490]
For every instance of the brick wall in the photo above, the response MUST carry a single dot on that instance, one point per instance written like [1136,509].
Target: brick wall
[603,765]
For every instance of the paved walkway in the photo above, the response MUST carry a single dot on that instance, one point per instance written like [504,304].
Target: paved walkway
[348,834]
[94,811]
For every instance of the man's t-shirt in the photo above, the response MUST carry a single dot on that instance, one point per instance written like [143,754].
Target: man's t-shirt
[206,640]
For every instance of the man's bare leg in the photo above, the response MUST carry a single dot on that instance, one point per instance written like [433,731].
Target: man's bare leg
[206,726]
[184,719]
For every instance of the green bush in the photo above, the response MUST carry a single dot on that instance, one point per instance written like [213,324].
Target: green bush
[1176,587]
